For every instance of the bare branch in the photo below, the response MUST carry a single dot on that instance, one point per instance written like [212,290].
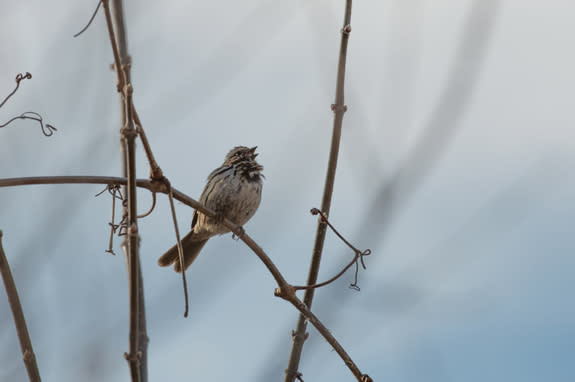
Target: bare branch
[115,23]
[339,109]
[19,320]
[284,290]
[155,170]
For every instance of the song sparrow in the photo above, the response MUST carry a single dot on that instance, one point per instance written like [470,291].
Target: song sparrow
[233,191]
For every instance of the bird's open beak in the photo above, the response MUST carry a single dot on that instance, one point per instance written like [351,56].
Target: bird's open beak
[253,151]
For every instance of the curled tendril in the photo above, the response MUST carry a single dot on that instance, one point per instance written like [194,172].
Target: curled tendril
[357,259]
[47,129]
[151,208]
[19,77]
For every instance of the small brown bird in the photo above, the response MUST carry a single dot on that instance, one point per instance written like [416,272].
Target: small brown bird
[233,191]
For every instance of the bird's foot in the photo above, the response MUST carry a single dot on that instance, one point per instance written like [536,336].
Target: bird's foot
[241,233]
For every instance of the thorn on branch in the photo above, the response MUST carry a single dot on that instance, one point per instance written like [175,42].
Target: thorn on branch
[91,19]
[297,375]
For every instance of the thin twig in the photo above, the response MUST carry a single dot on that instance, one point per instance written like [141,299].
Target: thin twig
[47,129]
[180,251]
[155,170]
[151,208]
[113,227]
[356,259]
[323,215]
[91,19]
[339,109]
[19,77]
[19,320]
[284,290]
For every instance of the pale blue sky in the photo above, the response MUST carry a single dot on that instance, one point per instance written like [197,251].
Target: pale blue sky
[471,275]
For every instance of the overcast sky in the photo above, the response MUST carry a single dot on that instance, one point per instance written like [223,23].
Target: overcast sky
[456,170]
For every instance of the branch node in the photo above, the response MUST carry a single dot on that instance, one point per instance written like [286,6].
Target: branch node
[338,108]
[346,30]
[160,185]
[28,355]
[128,132]
[132,230]
[128,88]
[286,291]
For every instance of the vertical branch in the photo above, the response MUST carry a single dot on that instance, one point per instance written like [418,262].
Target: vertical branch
[339,110]
[19,320]
[138,339]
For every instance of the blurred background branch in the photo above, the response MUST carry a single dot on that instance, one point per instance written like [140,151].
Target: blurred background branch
[19,320]
[450,268]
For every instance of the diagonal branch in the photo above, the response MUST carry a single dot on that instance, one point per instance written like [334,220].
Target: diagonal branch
[284,289]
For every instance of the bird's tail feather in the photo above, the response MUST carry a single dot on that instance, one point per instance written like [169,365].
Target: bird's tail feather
[191,250]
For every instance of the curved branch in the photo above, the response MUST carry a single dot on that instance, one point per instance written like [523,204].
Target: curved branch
[284,290]
[90,21]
